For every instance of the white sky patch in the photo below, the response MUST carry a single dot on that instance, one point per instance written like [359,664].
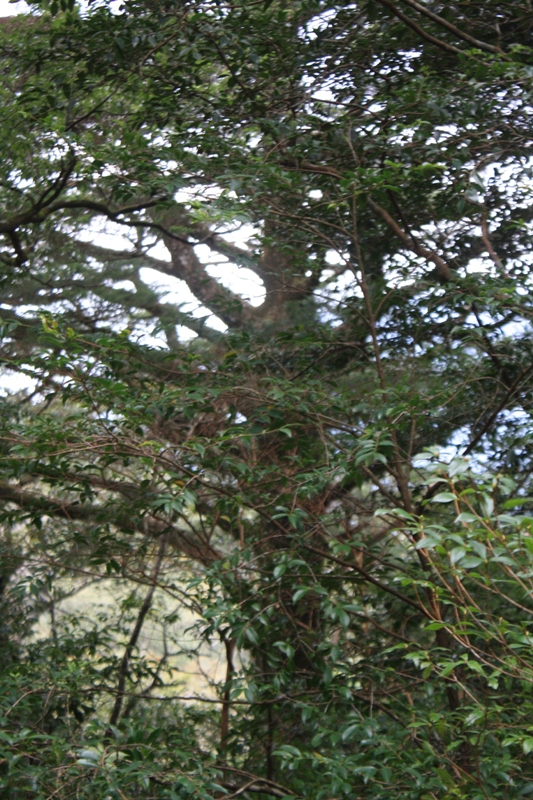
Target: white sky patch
[104,233]
[158,251]
[12,382]
[333,258]
[316,91]
[240,280]
[177,293]
[10,9]
[336,284]
[144,335]
[476,265]
[318,23]
[514,329]
[403,270]
[174,290]
[128,286]
[324,95]
[441,133]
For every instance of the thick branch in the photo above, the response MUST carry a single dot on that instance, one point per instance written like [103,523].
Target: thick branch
[489,48]
[450,48]
[442,268]
[38,213]
[221,301]
[119,516]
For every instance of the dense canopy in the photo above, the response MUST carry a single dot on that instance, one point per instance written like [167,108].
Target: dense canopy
[266,413]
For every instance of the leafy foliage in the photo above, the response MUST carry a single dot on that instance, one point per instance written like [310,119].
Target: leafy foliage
[273,544]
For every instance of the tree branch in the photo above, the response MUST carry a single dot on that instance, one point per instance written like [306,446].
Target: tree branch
[489,48]
[119,515]
[143,611]
[221,301]
[442,268]
[450,48]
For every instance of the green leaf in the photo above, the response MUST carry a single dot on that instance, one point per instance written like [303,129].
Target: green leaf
[428,542]
[343,617]
[458,466]
[299,593]
[456,554]
[479,548]
[285,648]
[443,497]
[285,750]
[517,501]
[466,516]
[349,731]
[394,512]
[446,778]
[252,636]
[470,562]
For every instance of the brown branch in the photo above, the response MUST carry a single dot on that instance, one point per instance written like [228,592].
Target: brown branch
[489,48]
[221,301]
[450,48]
[507,397]
[120,516]
[268,786]
[490,248]
[257,785]
[52,192]
[143,611]
[36,214]
[306,166]
[383,586]
[441,267]
[226,701]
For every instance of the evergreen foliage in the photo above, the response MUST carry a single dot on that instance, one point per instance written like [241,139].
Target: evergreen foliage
[276,549]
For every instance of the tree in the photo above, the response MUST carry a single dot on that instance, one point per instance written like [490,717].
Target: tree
[330,482]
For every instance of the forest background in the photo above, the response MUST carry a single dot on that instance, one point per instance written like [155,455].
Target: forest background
[265,425]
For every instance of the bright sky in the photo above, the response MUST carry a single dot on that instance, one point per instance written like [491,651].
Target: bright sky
[7,9]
